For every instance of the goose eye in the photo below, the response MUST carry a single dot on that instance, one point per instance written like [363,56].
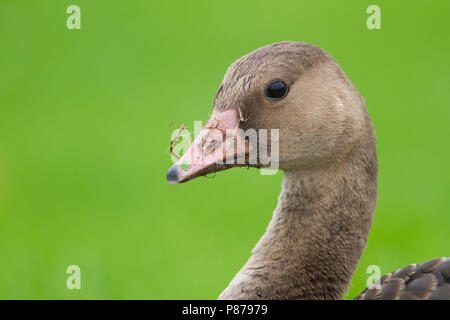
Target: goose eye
[276,90]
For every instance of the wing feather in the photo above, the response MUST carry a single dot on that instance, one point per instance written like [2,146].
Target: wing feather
[425,281]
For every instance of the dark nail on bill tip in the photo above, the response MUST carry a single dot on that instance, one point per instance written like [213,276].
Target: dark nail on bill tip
[172,174]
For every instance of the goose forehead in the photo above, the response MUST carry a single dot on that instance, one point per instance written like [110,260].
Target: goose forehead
[286,60]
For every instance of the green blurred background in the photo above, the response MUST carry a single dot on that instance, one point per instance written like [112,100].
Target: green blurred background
[84,132]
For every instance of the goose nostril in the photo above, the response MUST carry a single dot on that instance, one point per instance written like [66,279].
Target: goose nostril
[210,147]
[172,174]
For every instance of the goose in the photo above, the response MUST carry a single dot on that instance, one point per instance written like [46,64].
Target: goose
[327,151]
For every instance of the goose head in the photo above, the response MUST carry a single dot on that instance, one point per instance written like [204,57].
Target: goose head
[295,98]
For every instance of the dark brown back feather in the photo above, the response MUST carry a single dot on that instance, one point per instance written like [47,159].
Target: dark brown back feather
[425,281]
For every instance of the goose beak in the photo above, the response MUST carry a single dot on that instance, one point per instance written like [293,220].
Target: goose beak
[219,146]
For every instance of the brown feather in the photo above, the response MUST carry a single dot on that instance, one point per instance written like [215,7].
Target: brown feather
[426,281]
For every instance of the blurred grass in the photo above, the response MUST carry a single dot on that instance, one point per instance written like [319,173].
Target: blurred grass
[84,131]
